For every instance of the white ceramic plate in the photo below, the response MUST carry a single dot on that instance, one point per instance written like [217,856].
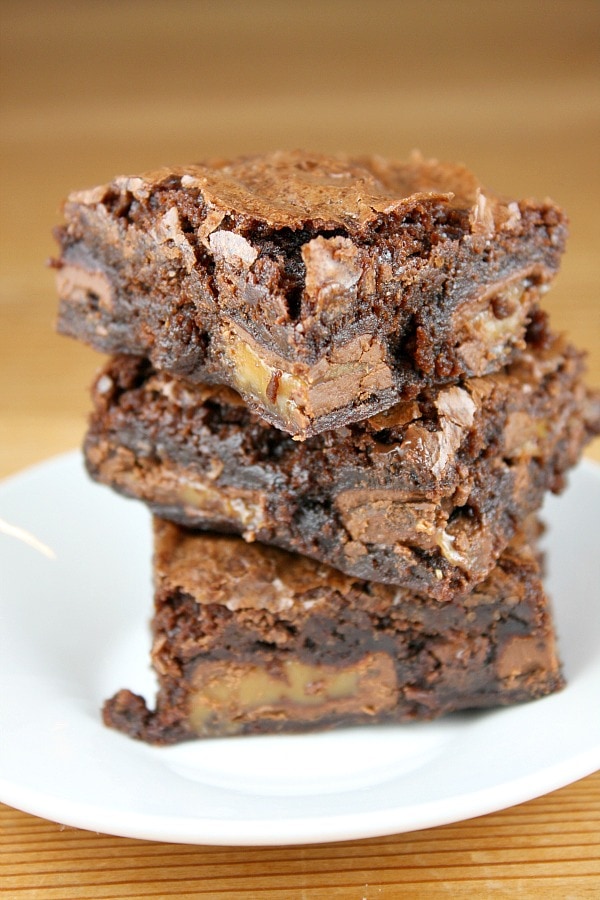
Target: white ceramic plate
[74,629]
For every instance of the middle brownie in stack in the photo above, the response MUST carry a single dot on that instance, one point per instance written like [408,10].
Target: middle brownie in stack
[427,494]
[344,358]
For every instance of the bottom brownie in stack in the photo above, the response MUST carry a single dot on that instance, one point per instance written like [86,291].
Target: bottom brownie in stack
[253,639]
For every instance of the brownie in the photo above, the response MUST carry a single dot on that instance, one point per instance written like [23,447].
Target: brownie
[250,639]
[427,494]
[324,289]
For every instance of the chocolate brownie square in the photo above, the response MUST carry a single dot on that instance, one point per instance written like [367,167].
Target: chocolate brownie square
[251,639]
[323,289]
[426,494]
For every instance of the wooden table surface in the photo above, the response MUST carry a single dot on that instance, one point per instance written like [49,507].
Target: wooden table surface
[90,90]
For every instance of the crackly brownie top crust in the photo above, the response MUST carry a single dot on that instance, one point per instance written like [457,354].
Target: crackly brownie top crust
[296,189]
[215,568]
[219,569]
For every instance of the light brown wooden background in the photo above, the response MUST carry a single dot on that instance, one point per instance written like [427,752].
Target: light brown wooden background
[92,89]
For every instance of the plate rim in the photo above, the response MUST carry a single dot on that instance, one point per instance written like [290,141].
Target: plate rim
[335,828]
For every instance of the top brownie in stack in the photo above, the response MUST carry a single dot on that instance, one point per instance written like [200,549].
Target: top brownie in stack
[323,289]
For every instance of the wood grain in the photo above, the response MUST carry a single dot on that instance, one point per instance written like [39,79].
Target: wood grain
[92,90]
[549,847]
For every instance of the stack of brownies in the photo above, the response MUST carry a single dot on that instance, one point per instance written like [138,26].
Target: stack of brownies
[333,385]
